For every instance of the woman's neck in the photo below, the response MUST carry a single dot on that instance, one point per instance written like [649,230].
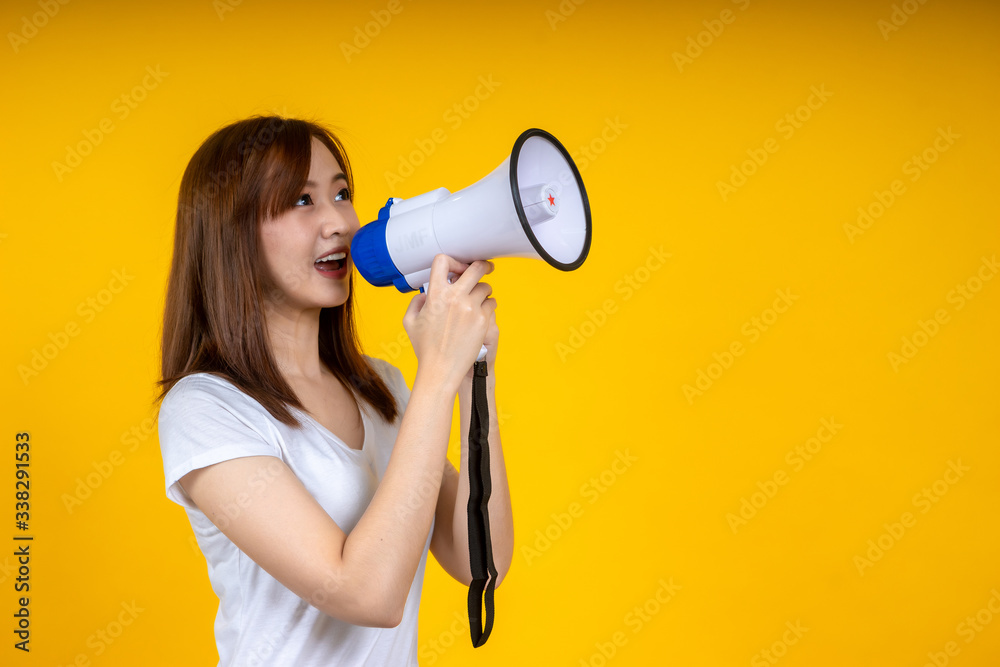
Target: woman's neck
[294,336]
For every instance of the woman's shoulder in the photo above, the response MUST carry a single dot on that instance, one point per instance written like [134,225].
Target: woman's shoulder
[198,391]
[202,382]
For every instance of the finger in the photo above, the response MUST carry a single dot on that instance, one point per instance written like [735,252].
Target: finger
[482,290]
[474,274]
[441,266]
[416,303]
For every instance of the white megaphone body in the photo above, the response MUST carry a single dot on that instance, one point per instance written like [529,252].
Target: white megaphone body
[532,205]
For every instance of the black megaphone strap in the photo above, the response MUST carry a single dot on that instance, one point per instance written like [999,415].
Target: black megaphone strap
[484,573]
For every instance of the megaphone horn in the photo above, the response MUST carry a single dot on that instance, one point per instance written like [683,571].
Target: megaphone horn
[532,205]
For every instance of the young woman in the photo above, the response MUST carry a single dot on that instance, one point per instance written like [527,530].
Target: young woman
[314,479]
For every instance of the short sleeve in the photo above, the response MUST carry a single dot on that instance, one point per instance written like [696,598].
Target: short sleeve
[203,421]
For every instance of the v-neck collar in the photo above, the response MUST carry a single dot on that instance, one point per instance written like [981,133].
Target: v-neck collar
[365,423]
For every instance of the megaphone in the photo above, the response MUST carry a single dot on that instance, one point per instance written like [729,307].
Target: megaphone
[532,205]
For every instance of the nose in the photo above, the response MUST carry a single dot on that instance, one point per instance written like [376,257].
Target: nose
[333,221]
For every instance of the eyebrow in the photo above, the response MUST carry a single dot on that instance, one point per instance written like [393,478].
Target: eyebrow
[337,176]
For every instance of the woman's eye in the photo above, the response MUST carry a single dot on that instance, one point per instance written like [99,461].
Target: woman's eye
[343,195]
[306,197]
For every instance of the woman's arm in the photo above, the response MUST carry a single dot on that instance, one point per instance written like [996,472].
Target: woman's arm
[364,577]
[450,542]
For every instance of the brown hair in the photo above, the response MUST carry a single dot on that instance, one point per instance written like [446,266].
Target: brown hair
[214,322]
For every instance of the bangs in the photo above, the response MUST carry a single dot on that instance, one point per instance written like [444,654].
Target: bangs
[285,170]
[286,166]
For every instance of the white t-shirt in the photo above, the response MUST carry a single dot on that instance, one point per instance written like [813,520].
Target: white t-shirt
[204,419]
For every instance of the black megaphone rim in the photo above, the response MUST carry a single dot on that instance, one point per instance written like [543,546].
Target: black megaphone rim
[519,207]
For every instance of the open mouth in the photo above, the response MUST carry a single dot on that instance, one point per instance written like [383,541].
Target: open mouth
[332,262]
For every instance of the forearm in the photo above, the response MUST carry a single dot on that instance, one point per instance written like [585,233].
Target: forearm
[385,547]
[501,518]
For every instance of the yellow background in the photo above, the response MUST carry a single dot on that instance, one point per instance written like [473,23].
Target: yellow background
[576,71]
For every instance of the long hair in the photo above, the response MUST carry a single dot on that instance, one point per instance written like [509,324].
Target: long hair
[214,320]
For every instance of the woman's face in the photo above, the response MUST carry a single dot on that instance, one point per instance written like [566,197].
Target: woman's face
[322,222]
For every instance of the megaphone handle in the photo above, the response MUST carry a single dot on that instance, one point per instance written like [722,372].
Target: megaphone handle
[482,350]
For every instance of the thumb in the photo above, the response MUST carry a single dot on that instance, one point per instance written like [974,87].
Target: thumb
[416,303]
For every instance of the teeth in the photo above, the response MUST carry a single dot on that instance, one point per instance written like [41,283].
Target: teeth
[333,255]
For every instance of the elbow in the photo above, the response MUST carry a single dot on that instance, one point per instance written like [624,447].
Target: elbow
[358,605]
[502,565]
[374,616]
[386,607]
[378,619]
[367,614]
[388,615]
[466,578]
[394,619]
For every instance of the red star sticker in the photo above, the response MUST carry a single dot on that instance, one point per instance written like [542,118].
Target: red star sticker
[552,200]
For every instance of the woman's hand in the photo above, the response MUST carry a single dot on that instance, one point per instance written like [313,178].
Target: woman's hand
[449,323]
